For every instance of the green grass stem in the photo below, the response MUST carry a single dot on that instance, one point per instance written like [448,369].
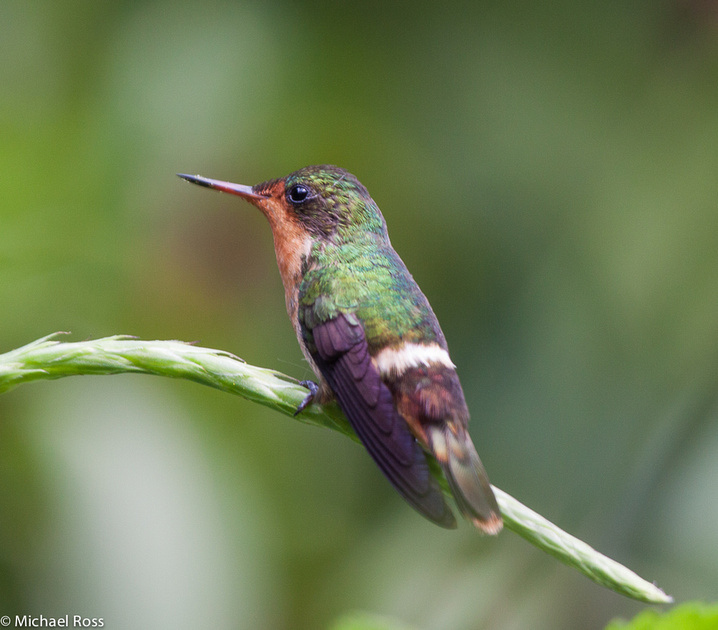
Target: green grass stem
[48,358]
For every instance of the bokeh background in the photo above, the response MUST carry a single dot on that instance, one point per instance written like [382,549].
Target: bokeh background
[548,171]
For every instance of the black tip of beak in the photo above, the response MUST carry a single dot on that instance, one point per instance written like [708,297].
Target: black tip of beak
[196,179]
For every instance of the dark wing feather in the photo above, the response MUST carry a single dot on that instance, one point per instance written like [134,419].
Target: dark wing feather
[342,356]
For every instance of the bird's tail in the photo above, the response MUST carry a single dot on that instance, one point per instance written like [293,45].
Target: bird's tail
[455,452]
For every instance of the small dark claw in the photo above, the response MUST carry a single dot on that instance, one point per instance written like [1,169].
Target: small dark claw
[313,391]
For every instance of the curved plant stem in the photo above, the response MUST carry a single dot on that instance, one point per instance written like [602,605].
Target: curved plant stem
[48,358]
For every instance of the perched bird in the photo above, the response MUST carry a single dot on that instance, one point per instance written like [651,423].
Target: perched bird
[371,338]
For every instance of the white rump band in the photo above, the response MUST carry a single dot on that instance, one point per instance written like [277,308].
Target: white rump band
[398,360]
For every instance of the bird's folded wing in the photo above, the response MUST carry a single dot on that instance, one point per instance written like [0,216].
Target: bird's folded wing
[342,355]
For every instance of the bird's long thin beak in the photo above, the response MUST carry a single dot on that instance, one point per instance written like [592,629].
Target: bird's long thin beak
[235,189]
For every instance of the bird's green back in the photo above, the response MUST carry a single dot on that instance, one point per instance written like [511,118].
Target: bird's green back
[364,276]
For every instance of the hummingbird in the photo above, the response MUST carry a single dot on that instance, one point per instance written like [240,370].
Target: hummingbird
[371,338]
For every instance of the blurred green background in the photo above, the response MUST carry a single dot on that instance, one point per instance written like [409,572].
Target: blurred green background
[548,173]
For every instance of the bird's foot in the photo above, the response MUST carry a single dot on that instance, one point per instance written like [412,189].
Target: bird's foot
[309,398]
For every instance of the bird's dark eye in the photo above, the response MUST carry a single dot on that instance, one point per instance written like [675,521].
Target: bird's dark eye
[298,193]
